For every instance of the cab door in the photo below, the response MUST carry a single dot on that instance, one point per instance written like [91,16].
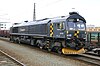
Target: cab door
[59,31]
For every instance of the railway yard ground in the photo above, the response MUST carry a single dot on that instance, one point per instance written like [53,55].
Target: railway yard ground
[32,56]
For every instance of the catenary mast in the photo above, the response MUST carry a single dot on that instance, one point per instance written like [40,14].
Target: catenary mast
[34,13]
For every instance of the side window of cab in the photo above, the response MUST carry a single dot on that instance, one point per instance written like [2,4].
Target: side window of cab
[60,25]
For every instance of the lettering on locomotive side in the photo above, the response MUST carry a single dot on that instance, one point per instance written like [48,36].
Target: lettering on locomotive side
[22,29]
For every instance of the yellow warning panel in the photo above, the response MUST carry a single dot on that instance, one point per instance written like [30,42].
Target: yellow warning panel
[72,51]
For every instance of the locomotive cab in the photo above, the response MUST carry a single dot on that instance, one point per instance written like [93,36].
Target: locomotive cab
[75,34]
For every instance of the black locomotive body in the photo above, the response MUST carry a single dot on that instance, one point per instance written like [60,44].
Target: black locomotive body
[65,34]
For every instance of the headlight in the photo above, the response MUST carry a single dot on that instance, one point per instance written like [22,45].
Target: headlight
[84,38]
[69,35]
[85,32]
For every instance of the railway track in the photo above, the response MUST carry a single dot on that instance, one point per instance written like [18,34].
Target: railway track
[95,60]
[90,59]
[92,53]
[7,60]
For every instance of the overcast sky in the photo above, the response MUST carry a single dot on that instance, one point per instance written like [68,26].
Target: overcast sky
[21,10]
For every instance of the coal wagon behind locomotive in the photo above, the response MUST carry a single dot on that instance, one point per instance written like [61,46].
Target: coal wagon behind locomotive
[65,34]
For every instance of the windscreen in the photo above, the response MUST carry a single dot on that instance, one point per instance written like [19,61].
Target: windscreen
[76,25]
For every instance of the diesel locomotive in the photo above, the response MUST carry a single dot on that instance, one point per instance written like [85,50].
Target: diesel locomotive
[65,34]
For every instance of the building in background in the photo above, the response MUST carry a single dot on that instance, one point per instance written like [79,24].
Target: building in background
[92,28]
[5,25]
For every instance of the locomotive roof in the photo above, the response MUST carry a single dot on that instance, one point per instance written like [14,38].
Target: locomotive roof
[76,15]
[31,23]
[39,22]
[53,20]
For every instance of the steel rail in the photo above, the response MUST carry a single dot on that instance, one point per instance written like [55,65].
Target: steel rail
[95,60]
[12,58]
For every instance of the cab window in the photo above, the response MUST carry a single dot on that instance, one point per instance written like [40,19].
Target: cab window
[60,25]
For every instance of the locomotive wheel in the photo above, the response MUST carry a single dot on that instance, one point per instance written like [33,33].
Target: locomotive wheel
[49,49]
[31,42]
[98,52]
[57,47]
[39,44]
[41,47]
[11,40]
[59,50]
[18,41]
